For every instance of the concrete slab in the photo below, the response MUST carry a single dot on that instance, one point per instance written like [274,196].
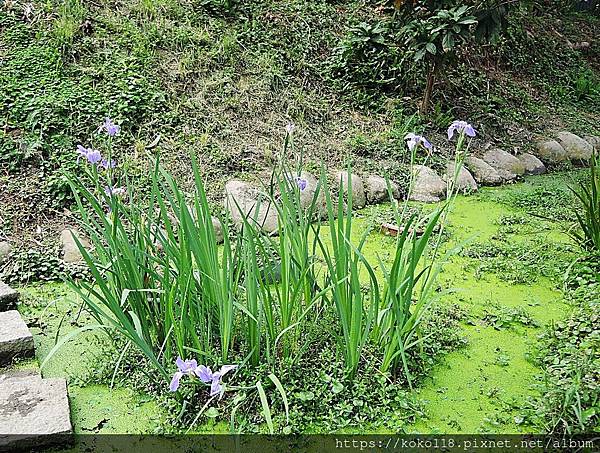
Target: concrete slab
[6,377]
[15,338]
[34,413]
[8,297]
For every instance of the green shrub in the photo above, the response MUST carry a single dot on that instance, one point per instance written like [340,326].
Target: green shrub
[588,208]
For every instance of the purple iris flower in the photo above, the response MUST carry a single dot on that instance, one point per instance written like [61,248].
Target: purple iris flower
[106,164]
[413,140]
[111,128]
[302,183]
[93,156]
[206,375]
[290,128]
[461,127]
[184,367]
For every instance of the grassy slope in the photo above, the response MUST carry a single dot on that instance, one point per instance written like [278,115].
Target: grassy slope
[224,84]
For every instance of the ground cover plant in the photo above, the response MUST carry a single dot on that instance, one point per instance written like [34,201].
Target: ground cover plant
[569,355]
[206,74]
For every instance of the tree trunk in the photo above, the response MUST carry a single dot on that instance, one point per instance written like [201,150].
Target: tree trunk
[429,88]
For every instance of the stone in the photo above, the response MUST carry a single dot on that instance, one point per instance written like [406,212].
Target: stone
[6,377]
[160,231]
[533,166]
[218,229]
[34,413]
[8,297]
[465,181]
[307,195]
[377,190]
[15,338]
[576,147]
[550,152]
[507,165]
[483,172]
[427,187]
[5,249]
[593,140]
[245,201]
[359,197]
[71,253]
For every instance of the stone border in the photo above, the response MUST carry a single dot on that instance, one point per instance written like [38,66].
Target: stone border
[494,167]
[34,412]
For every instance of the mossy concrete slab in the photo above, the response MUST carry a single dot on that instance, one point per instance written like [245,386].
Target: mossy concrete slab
[15,338]
[34,412]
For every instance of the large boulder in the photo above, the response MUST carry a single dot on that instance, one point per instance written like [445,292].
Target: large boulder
[533,166]
[245,201]
[550,151]
[427,187]
[359,197]
[593,140]
[174,220]
[5,249]
[218,229]
[507,165]
[307,195]
[576,147]
[483,172]
[464,181]
[377,189]
[70,250]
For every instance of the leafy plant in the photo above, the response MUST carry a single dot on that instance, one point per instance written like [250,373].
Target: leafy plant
[356,309]
[586,86]
[398,319]
[587,194]
[505,317]
[367,57]
[434,38]
[67,24]
[161,281]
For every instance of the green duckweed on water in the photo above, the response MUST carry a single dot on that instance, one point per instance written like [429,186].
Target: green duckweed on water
[508,292]
[482,387]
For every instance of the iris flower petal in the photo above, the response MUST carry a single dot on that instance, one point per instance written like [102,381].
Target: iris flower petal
[461,127]
[175,381]
[226,369]
[215,387]
[204,374]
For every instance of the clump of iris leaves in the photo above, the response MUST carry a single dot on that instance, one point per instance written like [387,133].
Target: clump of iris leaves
[320,335]
[320,396]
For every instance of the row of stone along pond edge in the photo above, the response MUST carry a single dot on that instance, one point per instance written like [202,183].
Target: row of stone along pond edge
[492,167]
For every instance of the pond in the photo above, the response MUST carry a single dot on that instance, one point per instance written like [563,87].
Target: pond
[504,276]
